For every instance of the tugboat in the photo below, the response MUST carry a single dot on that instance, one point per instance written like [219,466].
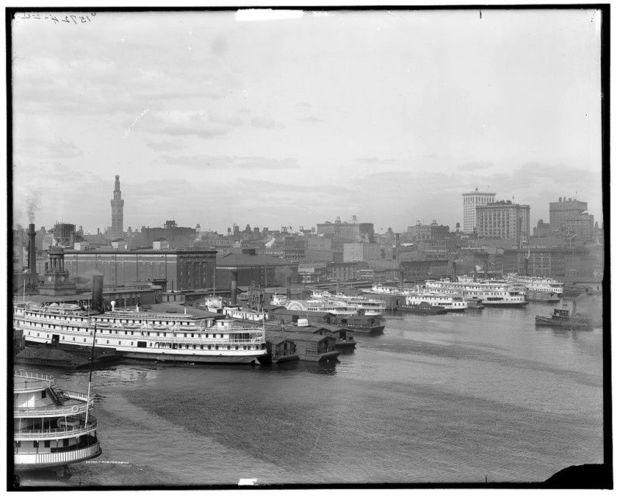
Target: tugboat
[52,427]
[564,319]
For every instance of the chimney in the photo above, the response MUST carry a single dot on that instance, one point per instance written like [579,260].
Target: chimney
[32,249]
[97,297]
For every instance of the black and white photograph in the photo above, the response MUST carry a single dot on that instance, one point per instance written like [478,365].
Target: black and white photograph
[308,247]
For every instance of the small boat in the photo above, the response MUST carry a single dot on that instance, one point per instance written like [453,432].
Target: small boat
[562,318]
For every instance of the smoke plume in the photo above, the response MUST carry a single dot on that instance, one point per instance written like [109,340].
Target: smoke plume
[32,202]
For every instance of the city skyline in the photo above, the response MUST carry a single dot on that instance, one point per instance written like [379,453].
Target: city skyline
[297,121]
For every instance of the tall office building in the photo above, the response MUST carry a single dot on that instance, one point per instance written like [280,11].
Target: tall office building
[503,220]
[117,211]
[472,200]
[569,217]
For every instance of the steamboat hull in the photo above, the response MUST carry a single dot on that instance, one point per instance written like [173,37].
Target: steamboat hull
[371,330]
[504,304]
[423,311]
[164,356]
[35,462]
[560,324]
[543,297]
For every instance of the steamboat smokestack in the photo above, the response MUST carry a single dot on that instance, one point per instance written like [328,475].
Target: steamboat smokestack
[32,249]
[97,298]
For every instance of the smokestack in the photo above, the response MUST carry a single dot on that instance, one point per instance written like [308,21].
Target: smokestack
[97,298]
[32,249]
[233,287]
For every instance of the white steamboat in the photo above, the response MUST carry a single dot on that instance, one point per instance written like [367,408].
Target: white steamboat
[142,335]
[52,427]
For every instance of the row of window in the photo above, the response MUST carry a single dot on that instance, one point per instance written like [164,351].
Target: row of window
[187,346]
[132,333]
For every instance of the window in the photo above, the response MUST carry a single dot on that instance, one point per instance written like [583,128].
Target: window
[46,443]
[44,394]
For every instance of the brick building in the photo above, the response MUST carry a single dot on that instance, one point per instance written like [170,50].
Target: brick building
[180,269]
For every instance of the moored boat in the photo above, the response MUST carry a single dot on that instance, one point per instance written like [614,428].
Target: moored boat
[52,427]
[165,336]
[423,308]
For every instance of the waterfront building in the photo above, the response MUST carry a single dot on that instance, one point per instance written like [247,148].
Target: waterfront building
[565,264]
[249,267]
[345,271]
[117,204]
[503,220]
[180,269]
[471,201]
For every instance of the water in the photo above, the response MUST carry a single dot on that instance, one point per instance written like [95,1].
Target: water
[451,398]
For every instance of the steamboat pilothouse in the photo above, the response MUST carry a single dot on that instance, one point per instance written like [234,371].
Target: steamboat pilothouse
[52,427]
[142,335]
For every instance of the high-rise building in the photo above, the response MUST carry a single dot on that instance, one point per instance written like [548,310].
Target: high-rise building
[569,216]
[117,211]
[472,200]
[503,220]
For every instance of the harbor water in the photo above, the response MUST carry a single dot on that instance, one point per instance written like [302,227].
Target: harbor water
[448,398]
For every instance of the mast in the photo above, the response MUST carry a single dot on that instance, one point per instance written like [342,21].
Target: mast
[90,373]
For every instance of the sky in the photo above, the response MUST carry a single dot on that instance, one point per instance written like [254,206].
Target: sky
[212,118]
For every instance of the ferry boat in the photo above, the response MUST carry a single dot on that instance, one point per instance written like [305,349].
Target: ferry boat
[538,289]
[52,427]
[142,335]
[383,290]
[370,307]
[340,304]
[495,293]
[435,299]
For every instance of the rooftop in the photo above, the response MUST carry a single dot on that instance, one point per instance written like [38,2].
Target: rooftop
[247,260]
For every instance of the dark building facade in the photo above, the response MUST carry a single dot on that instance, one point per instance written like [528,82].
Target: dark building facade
[347,232]
[177,236]
[64,234]
[180,269]
[566,264]
[420,271]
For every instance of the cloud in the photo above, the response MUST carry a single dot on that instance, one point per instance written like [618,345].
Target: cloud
[311,119]
[264,122]
[165,145]
[375,160]
[222,162]
[45,149]
[184,123]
